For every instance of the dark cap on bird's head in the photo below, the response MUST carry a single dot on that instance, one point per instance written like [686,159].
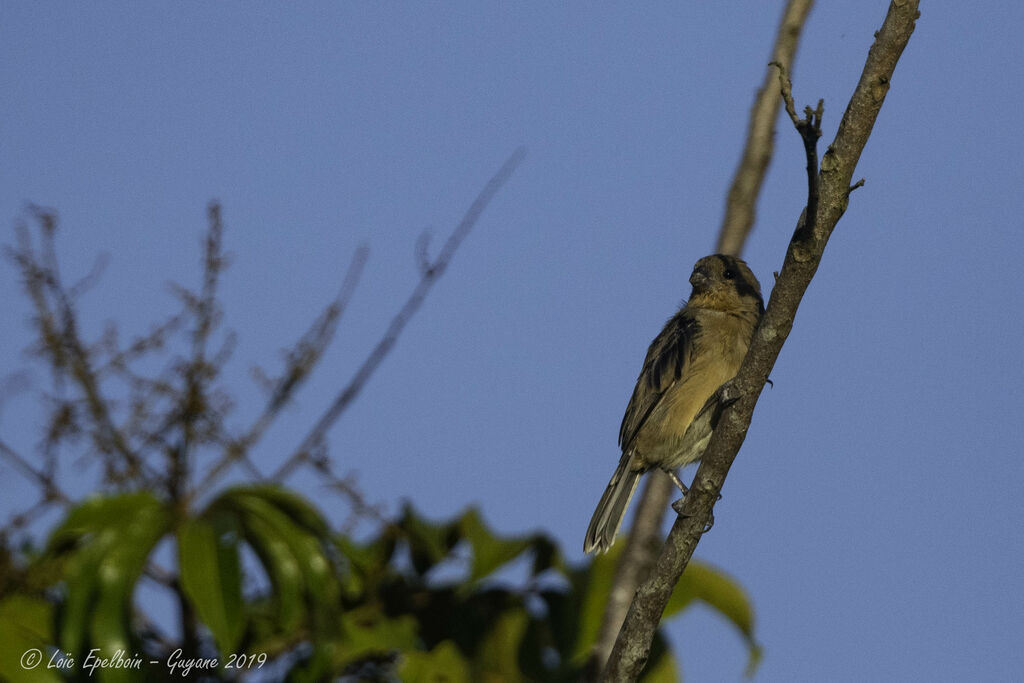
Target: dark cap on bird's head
[721,276]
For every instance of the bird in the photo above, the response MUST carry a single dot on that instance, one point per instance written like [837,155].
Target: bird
[672,411]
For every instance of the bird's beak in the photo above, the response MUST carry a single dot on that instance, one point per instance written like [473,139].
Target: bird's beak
[699,280]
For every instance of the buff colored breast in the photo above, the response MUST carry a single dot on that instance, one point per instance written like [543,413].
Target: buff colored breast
[715,360]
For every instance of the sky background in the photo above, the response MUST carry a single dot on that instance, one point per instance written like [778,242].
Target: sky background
[874,513]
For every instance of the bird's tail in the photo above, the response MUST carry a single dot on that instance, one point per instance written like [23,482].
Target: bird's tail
[612,508]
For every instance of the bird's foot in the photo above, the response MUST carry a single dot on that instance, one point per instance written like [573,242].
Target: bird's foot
[680,506]
[680,509]
[678,482]
[728,393]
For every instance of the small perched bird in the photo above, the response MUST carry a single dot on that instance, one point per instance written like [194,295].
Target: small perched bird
[699,349]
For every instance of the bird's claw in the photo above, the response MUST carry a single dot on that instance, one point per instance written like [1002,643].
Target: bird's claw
[678,482]
[728,393]
[680,509]
[679,506]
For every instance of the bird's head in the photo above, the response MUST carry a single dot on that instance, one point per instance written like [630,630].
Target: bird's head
[725,283]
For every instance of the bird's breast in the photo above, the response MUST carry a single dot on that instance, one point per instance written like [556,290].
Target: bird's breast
[717,354]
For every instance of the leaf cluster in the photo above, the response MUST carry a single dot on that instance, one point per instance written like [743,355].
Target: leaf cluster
[419,601]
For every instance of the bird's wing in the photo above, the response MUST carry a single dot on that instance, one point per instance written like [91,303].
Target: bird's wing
[665,364]
[698,434]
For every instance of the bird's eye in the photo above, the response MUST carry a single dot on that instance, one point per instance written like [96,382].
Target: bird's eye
[729,274]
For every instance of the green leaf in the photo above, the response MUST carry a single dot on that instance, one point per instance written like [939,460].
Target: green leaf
[119,572]
[291,504]
[281,566]
[429,543]
[367,630]
[497,655]
[367,558]
[96,514]
[546,555]
[367,562]
[81,576]
[291,540]
[26,624]
[307,549]
[443,664]
[105,542]
[212,578]
[489,551]
[720,591]
[593,585]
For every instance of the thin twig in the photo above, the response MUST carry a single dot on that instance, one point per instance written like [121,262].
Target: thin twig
[58,332]
[428,277]
[197,374]
[741,202]
[20,520]
[302,360]
[809,129]
[46,483]
[213,264]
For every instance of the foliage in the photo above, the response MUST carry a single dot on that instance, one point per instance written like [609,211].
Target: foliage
[420,601]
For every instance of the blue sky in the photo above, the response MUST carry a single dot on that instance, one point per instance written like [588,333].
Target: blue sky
[874,513]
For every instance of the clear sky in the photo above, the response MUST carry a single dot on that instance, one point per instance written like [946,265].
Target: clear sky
[875,511]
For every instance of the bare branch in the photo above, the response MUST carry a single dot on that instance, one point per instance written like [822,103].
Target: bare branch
[429,276]
[89,280]
[193,402]
[741,202]
[642,546]
[60,340]
[20,520]
[301,360]
[740,213]
[802,258]
[809,129]
[155,339]
[49,488]
[422,253]
[214,262]
[346,486]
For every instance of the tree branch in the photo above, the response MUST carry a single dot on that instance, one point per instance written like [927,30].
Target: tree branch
[69,356]
[430,272]
[802,258]
[741,203]
[47,486]
[634,565]
[740,212]
[302,359]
